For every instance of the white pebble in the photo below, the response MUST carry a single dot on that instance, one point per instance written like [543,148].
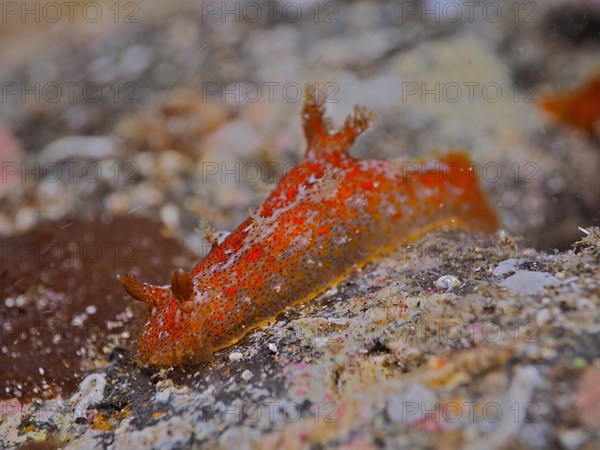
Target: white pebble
[585,303]
[572,439]
[447,282]
[542,317]
[247,375]
[25,218]
[273,348]
[91,391]
[170,215]
[20,301]
[94,147]
[235,356]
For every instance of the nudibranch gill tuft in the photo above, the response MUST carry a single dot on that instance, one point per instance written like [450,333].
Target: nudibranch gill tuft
[329,215]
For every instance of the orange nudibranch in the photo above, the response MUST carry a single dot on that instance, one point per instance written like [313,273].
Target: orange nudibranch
[579,108]
[329,215]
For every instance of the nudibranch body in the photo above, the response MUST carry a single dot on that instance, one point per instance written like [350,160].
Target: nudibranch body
[329,215]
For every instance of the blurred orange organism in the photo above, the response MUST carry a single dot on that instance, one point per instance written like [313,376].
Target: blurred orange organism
[579,108]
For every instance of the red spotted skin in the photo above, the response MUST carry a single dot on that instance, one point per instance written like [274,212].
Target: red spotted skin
[330,214]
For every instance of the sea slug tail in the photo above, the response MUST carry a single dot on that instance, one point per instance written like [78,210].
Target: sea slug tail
[469,203]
